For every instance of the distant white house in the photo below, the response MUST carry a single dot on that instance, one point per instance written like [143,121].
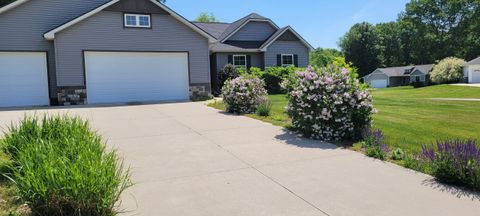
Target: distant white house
[471,71]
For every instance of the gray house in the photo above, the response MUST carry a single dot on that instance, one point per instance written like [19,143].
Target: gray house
[398,76]
[115,51]
[255,41]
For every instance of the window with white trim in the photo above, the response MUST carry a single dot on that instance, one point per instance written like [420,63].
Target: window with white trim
[240,61]
[137,20]
[287,60]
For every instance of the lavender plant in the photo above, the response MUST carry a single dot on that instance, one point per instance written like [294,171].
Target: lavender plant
[243,94]
[328,104]
[455,161]
[374,144]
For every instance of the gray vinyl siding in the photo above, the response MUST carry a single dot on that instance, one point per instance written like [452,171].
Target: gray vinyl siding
[136,6]
[376,76]
[222,59]
[286,47]
[416,73]
[22,28]
[254,31]
[105,31]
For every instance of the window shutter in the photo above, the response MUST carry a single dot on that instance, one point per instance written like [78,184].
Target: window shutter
[295,60]
[230,59]
[279,60]
[249,61]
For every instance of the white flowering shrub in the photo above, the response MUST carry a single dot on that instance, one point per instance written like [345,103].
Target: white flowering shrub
[448,70]
[328,104]
[243,94]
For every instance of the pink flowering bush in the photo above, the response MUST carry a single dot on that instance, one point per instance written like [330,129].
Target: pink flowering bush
[243,94]
[328,104]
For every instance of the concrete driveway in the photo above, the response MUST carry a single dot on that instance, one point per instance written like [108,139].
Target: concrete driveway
[189,159]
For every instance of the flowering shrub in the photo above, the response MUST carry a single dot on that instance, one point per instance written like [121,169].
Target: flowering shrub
[448,70]
[243,94]
[328,104]
[455,162]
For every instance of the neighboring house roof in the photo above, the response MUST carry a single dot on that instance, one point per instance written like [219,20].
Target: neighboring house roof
[279,33]
[50,35]
[474,61]
[214,28]
[404,70]
[237,25]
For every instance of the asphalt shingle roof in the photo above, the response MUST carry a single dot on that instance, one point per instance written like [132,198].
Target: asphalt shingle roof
[403,71]
[474,61]
[215,29]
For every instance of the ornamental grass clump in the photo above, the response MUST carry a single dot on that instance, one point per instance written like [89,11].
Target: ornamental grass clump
[61,167]
[243,94]
[328,104]
[455,162]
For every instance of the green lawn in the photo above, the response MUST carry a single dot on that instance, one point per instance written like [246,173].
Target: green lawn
[408,117]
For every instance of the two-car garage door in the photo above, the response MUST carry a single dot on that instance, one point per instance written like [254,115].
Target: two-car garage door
[378,83]
[117,77]
[23,79]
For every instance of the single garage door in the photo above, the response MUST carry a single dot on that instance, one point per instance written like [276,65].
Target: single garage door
[378,83]
[476,76]
[118,77]
[23,79]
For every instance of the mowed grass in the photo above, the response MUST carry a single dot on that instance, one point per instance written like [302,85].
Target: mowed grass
[408,116]
[410,119]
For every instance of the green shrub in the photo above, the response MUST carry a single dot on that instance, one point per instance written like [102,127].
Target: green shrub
[398,154]
[274,76]
[448,70]
[264,108]
[413,162]
[61,167]
[418,84]
[229,71]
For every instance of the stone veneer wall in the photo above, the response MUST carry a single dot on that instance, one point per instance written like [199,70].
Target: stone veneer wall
[78,95]
[72,96]
[200,90]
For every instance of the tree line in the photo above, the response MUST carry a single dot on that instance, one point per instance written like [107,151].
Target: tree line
[427,31]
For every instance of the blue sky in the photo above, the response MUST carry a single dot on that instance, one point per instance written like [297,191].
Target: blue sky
[321,22]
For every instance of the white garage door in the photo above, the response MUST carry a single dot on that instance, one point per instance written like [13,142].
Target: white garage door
[23,79]
[378,83]
[476,76]
[117,77]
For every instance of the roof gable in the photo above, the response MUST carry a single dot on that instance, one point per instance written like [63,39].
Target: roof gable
[50,35]
[474,61]
[239,24]
[281,32]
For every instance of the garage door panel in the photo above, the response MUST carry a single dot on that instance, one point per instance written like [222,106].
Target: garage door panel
[23,79]
[114,77]
[476,76]
[378,83]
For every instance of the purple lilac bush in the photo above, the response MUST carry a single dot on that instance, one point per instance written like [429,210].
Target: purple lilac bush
[328,104]
[455,162]
[243,94]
